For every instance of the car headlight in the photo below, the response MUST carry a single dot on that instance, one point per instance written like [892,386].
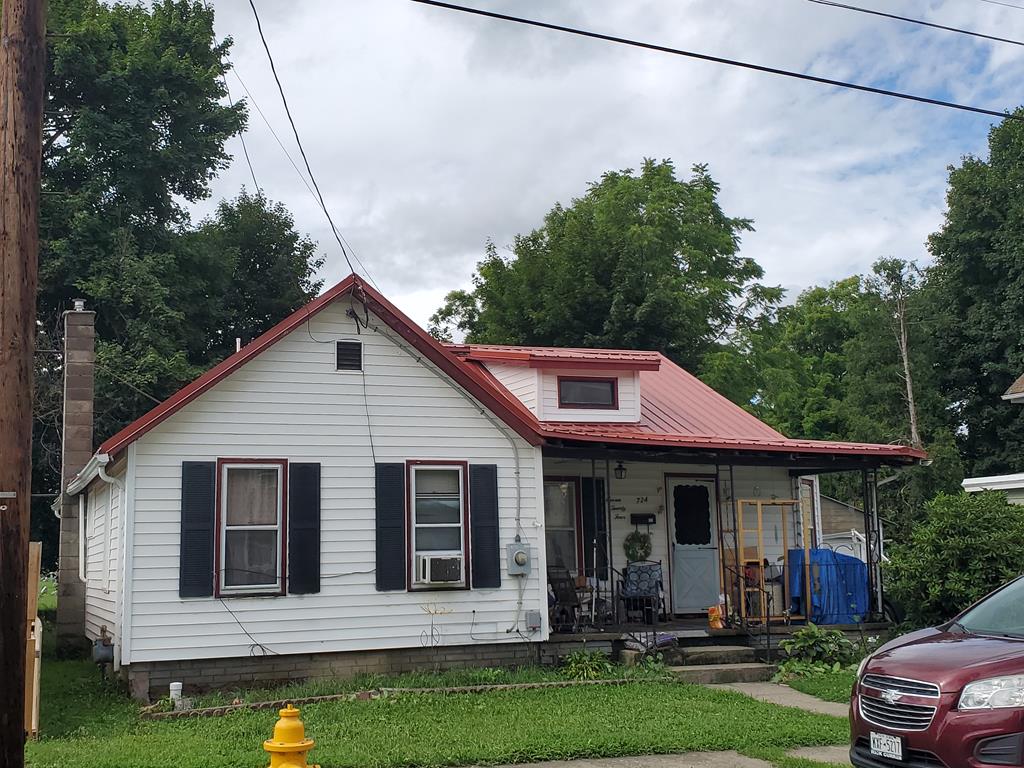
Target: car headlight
[994,693]
[863,663]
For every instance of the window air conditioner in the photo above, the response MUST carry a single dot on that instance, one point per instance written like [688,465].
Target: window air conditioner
[435,569]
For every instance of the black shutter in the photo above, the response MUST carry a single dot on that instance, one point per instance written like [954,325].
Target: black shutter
[390,505]
[303,529]
[595,527]
[485,558]
[198,511]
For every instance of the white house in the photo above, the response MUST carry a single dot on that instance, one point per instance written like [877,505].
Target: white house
[346,494]
[1013,484]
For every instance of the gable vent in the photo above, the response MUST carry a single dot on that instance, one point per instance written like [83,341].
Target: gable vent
[350,356]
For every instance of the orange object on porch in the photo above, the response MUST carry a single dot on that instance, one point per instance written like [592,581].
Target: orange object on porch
[715,617]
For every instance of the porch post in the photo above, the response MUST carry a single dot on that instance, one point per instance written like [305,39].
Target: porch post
[873,542]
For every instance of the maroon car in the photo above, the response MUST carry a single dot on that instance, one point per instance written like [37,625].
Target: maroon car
[948,696]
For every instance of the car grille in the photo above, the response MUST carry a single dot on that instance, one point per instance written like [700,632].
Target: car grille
[898,716]
[901,685]
[914,758]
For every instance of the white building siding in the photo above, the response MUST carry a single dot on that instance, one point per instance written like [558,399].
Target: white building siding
[520,380]
[643,491]
[290,402]
[102,548]
[628,390]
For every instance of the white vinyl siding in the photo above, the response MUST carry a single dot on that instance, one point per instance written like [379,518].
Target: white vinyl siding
[103,556]
[643,491]
[520,380]
[628,393]
[290,403]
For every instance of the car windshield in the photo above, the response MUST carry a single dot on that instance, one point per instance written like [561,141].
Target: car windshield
[1000,614]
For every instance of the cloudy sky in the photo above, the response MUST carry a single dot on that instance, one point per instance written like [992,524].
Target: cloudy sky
[431,131]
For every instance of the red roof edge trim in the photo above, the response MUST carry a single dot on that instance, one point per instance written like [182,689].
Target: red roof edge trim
[401,324]
[572,364]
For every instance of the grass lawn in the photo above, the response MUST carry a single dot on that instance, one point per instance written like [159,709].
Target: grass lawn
[47,594]
[831,686]
[89,725]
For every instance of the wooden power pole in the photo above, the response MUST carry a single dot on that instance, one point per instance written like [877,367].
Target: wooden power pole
[22,75]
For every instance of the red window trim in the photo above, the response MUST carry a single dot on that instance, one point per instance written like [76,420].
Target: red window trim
[615,392]
[410,556]
[283,555]
[575,480]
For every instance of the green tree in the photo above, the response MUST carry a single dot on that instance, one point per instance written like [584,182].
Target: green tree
[966,546]
[268,268]
[136,125]
[976,289]
[642,260]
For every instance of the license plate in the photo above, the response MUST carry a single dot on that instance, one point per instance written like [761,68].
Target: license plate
[884,745]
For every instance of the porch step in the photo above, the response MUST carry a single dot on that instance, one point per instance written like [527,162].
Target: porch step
[710,654]
[717,674]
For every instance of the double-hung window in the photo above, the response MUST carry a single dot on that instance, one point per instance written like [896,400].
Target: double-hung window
[438,512]
[251,527]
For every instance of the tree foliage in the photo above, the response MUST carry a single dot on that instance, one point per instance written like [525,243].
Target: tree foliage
[642,260]
[135,128]
[976,297]
[966,546]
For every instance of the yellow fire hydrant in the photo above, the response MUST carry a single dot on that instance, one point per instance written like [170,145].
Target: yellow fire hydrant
[289,746]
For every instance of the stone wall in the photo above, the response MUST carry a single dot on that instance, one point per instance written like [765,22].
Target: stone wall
[150,680]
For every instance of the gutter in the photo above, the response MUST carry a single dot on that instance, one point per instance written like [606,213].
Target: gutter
[96,467]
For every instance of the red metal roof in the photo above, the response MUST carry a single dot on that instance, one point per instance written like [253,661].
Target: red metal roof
[561,357]
[677,409]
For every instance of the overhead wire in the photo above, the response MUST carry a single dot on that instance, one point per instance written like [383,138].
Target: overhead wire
[718,59]
[921,22]
[300,174]
[1004,4]
[298,139]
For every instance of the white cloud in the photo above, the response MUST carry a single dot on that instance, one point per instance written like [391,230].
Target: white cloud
[431,131]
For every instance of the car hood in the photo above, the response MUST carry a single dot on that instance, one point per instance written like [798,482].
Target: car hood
[949,659]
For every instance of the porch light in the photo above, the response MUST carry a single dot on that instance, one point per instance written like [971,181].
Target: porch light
[620,471]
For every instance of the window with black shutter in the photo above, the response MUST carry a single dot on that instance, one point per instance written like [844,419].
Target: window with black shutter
[350,355]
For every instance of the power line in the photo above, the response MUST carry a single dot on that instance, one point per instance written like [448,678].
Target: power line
[295,131]
[1005,5]
[831,4]
[719,59]
[300,174]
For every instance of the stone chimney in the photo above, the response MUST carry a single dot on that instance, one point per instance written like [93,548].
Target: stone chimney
[77,448]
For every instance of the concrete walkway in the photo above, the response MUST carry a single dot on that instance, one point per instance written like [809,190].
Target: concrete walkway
[785,696]
[684,760]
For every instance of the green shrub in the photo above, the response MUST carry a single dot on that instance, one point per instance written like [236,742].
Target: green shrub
[814,645]
[966,546]
[586,665]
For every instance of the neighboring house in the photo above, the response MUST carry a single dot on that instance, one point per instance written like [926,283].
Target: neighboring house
[1011,485]
[346,494]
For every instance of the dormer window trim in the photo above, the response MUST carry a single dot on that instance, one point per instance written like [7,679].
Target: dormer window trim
[612,380]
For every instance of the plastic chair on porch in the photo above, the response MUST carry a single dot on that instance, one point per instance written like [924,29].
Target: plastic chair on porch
[565,600]
[642,591]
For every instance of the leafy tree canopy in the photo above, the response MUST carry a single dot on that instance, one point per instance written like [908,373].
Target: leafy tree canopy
[976,297]
[642,260]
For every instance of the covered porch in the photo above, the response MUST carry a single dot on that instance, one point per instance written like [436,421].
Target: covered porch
[649,540]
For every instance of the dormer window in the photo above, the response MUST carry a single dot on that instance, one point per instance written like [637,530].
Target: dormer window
[588,392]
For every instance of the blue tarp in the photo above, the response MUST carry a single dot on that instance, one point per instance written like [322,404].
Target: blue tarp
[839,586]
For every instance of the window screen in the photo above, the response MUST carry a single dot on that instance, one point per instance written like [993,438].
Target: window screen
[251,520]
[588,393]
[350,356]
[437,510]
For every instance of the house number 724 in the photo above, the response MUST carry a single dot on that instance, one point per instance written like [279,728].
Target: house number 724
[641,500]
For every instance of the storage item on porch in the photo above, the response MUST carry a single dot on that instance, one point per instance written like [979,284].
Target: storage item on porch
[839,586]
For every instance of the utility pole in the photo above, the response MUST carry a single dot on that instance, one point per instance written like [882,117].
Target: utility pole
[22,75]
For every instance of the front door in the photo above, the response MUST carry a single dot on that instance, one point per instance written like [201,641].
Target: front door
[693,535]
